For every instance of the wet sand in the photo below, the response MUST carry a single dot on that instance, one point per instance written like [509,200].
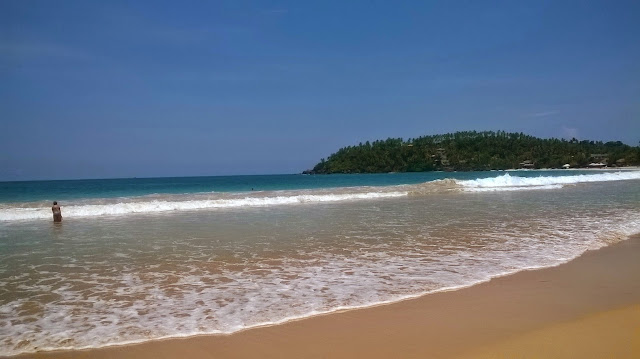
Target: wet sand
[589,307]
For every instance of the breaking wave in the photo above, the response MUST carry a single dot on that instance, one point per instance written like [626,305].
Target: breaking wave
[516,183]
[155,206]
[191,202]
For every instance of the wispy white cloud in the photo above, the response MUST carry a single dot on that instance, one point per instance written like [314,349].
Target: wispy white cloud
[569,132]
[543,114]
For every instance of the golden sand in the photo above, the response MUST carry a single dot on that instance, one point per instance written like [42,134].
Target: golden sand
[587,308]
[611,334]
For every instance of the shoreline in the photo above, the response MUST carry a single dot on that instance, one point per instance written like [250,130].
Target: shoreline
[163,203]
[287,320]
[625,168]
[395,323]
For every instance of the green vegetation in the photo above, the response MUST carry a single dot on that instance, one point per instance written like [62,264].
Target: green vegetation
[475,151]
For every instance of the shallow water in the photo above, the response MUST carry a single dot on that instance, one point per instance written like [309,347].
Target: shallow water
[168,264]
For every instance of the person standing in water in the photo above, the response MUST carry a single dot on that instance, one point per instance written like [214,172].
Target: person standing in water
[57,213]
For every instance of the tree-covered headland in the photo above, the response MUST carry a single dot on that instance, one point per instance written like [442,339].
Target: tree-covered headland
[476,151]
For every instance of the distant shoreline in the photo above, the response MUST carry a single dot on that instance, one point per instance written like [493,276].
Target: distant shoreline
[476,151]
[613,169]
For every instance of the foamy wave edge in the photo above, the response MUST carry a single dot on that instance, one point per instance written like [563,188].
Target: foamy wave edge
[122,208]
[620,237]
[502,183]
[507,182]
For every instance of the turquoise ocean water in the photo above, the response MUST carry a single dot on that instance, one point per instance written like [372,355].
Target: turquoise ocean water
[149,258]
[30,191]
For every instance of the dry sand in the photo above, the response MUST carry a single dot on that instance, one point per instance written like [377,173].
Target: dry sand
[587,308]
[611,334]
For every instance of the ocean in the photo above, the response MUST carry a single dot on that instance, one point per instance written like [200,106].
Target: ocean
[149,258]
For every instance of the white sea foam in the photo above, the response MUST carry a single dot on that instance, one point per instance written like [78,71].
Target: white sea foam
[155,206]
[192,202]
[90,292]
[507,182]
[262,294]
[512,188]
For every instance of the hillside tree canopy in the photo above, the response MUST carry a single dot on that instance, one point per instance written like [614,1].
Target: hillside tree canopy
[475,151]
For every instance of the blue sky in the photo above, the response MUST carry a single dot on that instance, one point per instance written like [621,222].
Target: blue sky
[93,89]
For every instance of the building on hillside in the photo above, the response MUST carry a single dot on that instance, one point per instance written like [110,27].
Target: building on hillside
[527,164]
[599,158]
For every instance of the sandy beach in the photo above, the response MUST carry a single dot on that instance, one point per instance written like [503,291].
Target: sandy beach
[587,308]
[301,179]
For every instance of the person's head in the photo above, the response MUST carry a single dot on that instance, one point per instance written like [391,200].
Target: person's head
[55,202]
